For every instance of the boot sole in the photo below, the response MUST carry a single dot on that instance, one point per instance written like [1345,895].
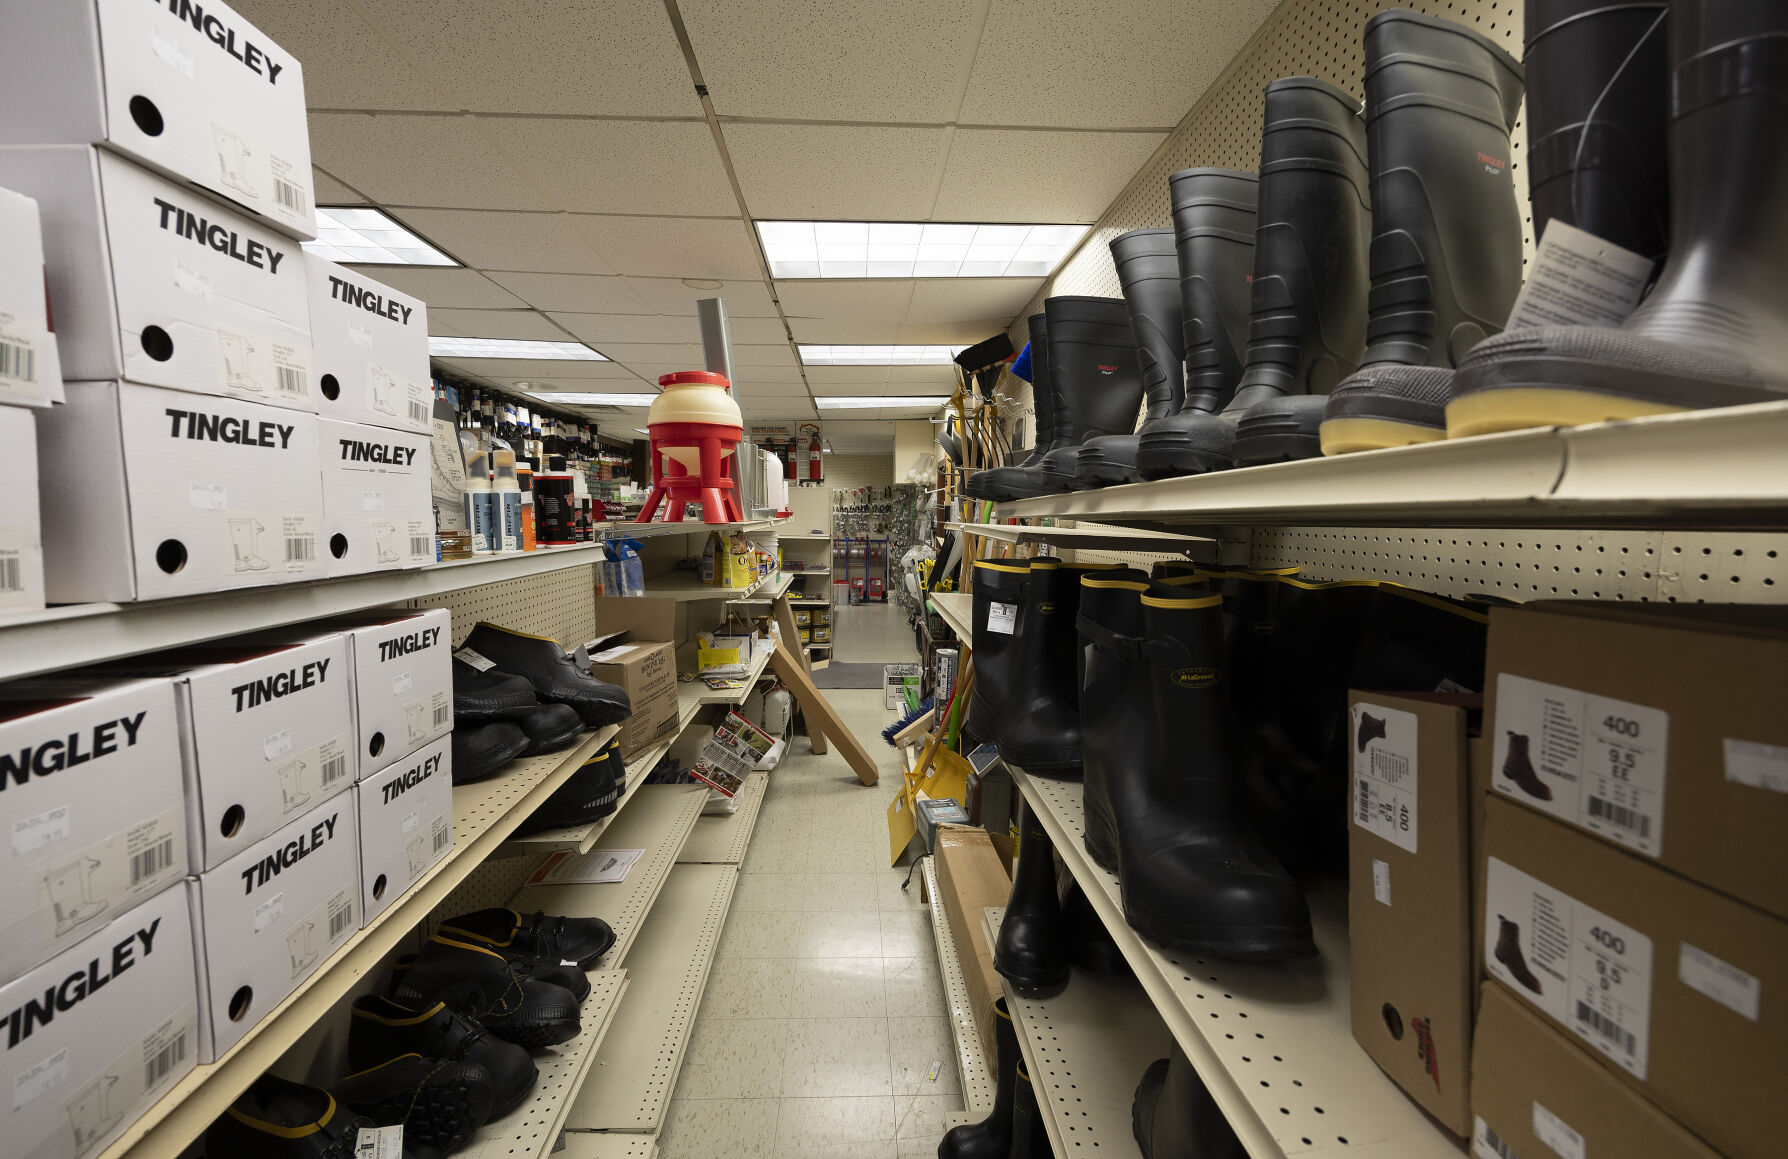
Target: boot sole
[1101,475]
[1032,985]
[553,744]
[437,1115]
[1234,943]
[1345,436]
[537,1036]
[1514,408]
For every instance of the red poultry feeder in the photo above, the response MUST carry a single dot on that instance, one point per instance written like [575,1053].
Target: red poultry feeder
[695,427]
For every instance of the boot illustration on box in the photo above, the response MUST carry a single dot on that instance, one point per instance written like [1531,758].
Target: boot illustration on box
[1518,767]
[298,945]
[1371,729]
[1508,952]
[90,1113]
[385,542]
[417,853]
[71,894]
[291,785]
[239,373]
[232,161]
[245,539]
[381,391]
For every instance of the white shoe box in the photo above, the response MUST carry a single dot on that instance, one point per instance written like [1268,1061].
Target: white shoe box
[406,824]
[378,510]
[21,526]
[97,1034]
[155,283]
[30,368]
[369,350]
[268,917]
[403,684]
[90,798]
[152,493]
[187,87]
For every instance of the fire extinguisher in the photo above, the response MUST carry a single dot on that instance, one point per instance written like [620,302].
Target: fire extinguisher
[813,458]
[789,469]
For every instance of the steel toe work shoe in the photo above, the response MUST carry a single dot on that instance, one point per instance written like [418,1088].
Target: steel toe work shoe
[1174,1116]
[1031,951]
[491,990]
[1517,767]
[278,1119]
[481,694]
[535,937]
[439,1102]
[1030,1139]
[991,1138]
[556,680]
[1508,952]
[550,728]
[479,750]
[586,797]
[380,1029]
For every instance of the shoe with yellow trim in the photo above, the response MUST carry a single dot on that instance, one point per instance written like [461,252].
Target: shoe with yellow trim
[380,1029]
[483,985]
[440,1102]
[535,937]
[542,661]
[276,1118]
[587,796]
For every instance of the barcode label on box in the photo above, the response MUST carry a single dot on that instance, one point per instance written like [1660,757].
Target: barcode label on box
[151,862]
[12,574]
[162,1062]
[1487,1144]
[443,834]
[289,196]
[1556,1133]
[338,922]
[421,546]
[341,916]
[334,769]
[18,362]
[419,412]
[301,548]
[1630,819]
[443,715]
[1609,1030]
[289,381]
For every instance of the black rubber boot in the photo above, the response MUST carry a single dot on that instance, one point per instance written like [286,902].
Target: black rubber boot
[1032,949]
[1090,944]
[487,694]
[1307,322]
[550,728]
[586,797]
[543,663]
[486,987]
[534,937]
[440,1102]
[1148,269]
[1175,1117]
[380,1029]
[1096,382]
[1030,1138]
[481,750]
[1115,728]
[1038,726]
[1714,331]
[991,1138]
[278,1119]
[993,482]
[1441,100]
[998,591]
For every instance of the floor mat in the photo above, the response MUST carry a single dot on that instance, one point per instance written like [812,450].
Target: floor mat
[837,675]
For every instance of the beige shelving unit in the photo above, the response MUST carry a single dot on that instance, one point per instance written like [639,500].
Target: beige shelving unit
[721,839]
[978,1078]
[957,609]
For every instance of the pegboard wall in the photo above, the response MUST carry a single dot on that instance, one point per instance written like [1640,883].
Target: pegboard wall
[560,604]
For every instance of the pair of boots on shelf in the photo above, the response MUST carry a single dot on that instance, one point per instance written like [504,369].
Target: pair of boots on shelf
[1013,1129]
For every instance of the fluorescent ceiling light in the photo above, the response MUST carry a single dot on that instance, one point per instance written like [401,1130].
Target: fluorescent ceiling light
[910,249]
[879,355]
[879,402]
[441,347]
[368,237]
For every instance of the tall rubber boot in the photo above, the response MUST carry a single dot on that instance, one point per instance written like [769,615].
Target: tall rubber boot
[1307,323]
[1090,945]
[1213,225]
[998,590]
[1032,949]
[1174,1116]
[991,1138]
[1441,100]
[1148,269]
[1115,725]
[1030,1138]
[1038,726]
[993,482]
[1714,331]
[1097,385]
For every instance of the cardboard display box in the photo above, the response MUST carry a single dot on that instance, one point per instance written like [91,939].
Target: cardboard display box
[971,877]
[30,368]
[21,529]
[150,493]
[100,1032]
[378,513]
[1667,983]
[406,824]
[369,350]
[647,670]
[1534,1093]
[1413,975]
[1659,729]
[91,780]
[403,682]
[155,283]
[193,90]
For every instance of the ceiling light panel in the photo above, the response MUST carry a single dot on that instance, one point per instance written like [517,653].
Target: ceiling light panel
[879,355]
[907,249]
[442,347]
[369,237]
[575,398]
[880,402]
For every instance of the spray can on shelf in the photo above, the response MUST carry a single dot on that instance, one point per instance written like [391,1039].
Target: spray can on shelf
[507,491]
[943,674]
[524,479]
[483,516]
[553,509]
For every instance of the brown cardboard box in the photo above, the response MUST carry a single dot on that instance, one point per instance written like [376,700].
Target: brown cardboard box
[971,878]
[1671,985]
[1534,1094]
[648,671]
[1409,900]
[1659,728]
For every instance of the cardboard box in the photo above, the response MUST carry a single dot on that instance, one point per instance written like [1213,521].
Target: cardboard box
[155,283]
[90,793]
[1669,984]
[403,683]
[30,368]
[100,1032]
[406,824]
[369,350]
[268,917]
[972,878]
[1659,729]
[21,529]
[1535,1094]
[193,90]
[151,493]
[1413,975]
[378,513]
[647,670]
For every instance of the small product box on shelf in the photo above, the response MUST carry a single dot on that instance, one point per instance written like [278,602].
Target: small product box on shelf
[164,286]
[30,367]
[406,824]
[98,1033]
[972,877]
[91,776]
[21,529]
[150,493]
[369,350]
[378,513]
[647,671]
[193,90]
[1658,728]
[269,916]
[403,682]
[1664,982]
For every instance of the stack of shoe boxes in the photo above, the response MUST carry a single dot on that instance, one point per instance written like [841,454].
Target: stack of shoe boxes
[30,376]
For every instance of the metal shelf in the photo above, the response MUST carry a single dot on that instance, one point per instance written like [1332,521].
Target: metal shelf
[1273,1043]
[721,839]
[1114,538]
[811,571]
[484,814]
[587,1145]
[687,527]
[958,611]
[575,838]
[978,1080]
[778,587]
[811,603]
[688,586]
[805,538]
[1086,1050]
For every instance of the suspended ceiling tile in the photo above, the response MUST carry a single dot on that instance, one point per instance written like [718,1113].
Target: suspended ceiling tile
[757,388]
[419,160]
[786,375]
[445,289]
[329,191]
[930,375]
[1019,175]
[494,324]
[869,300]
[347,65]
[651,372]
[538,370]
[688,353]
[756,331]
[619,57]
[828,376]
[859,173]
[744,299]
[845,331]
[965,333]
[579,293]
[686,247]
[598,329]
[647,167]
[496,240]
[776,355]
[947,299]
[890,390]
[1133,65]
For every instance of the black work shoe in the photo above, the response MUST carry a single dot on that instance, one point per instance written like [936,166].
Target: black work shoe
[439,1102]
[278,1119]
[480,750]
[534,937]
[566,975]
[481,694]
[556,680]
[491,990]
[380,1029]
[550,727]
[586,797]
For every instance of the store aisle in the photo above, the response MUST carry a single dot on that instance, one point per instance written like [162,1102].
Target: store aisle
[822,1032]
[871,634]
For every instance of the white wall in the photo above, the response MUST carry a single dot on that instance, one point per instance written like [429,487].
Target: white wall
[812,506]
[912,438]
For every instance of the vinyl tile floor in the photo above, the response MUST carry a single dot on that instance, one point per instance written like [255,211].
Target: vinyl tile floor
[823,1030]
